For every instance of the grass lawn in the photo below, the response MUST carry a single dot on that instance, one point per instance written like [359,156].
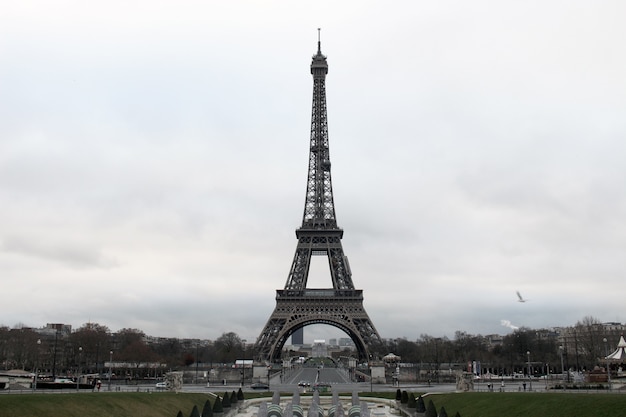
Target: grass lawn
[162,404]
[530,404]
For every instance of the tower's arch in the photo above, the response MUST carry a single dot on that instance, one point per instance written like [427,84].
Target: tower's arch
[309,320]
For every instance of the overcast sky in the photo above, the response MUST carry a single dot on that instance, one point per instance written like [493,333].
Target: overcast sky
[153,161]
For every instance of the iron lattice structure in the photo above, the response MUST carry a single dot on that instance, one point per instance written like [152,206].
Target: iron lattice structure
[296,305]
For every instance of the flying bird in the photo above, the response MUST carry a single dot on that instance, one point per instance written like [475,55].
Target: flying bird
[520,298]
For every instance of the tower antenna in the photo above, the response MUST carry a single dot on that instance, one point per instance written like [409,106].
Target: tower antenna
[319,42]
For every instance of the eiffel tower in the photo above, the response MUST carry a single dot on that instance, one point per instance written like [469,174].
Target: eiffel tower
[296,305]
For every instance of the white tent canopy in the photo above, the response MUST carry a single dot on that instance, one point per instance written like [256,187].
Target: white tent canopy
[391,357]
[620,352]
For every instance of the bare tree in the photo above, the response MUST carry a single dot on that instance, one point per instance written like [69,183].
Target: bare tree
[95,341]
[228,346]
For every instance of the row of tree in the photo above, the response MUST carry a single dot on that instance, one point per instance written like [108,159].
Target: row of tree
[580,347]
[409,400]
[92,345]
[93,348]
[220,403]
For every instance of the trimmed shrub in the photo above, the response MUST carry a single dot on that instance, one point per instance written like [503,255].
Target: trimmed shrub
[457,414]
[431,411]
[233,397]
[411,403]
[217,405]
[226,400]
[404,398]
[207,411]
[420,407]
[194,412]
[398,395]
[442,412]
[180,414]
[240,396]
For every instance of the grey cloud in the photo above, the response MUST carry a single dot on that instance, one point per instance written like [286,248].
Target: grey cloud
[73,254]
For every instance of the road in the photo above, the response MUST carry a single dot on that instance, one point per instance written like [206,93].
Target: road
[338,378]
[314,375]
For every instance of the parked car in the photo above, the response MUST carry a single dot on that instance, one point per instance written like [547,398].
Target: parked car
[260,385]
[304,384]
[161,385]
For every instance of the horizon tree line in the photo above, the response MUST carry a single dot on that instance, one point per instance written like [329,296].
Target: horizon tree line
[91,346]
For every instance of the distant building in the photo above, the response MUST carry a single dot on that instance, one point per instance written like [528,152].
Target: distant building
[319,349]
[297,337]
[56,328]
[493,340]
[346,342]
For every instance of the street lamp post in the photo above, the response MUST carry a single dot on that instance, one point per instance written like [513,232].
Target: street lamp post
[54,356]
[608,370]
[562,365]
[530,381]
[37,364]
[110,367]
[243,363]
[196,363]
[80,353]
